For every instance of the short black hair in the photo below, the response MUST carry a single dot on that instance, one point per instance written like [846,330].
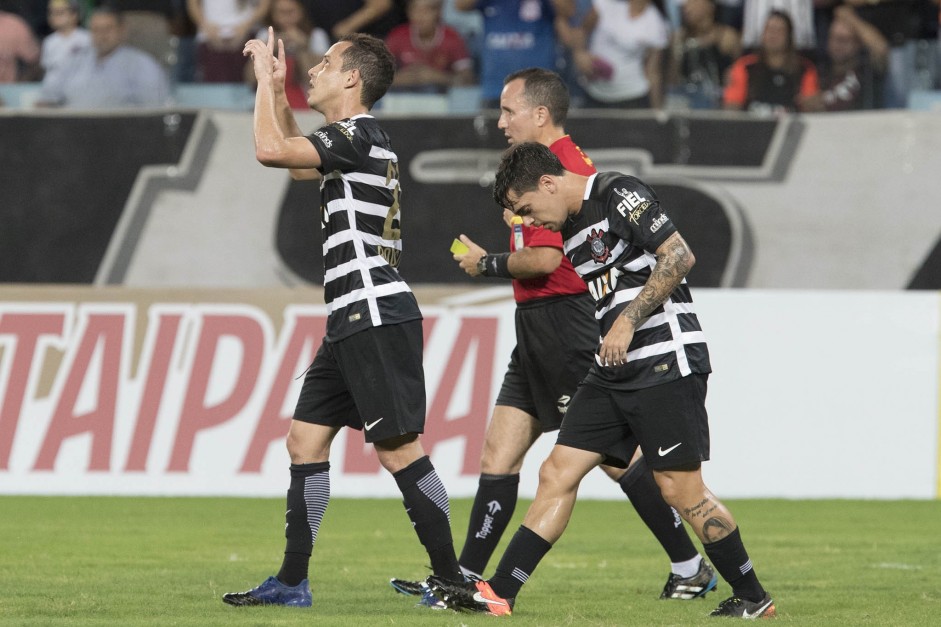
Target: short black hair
[521,168]
[375,63]
[544,88]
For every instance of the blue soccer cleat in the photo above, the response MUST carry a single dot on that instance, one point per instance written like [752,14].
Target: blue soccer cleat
[272,592]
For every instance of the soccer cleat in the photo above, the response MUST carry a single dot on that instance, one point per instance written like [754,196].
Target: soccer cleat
[690,587]
[411,588]
[735,607]
[272,592]
[428,599]
[470,596]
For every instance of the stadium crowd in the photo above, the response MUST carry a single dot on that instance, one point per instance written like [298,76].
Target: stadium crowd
[763,56]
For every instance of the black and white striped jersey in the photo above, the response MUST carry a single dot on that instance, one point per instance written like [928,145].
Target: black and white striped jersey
[611,243]
[361,221]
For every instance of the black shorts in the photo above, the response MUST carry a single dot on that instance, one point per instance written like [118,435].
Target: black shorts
[372,380]
[669,421]
[556,339]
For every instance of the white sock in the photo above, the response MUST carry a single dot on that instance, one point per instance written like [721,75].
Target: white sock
[688,568]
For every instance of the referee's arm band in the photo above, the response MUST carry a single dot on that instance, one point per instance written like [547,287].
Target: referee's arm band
[497,266]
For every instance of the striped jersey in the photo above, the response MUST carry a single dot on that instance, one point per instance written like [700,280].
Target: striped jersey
[611,243]
[361,221]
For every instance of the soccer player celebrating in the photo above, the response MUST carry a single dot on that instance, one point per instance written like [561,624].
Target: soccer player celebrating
[546,368]
[648,380]
[368,372]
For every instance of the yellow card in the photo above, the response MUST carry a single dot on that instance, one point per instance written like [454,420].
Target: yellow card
[458,247]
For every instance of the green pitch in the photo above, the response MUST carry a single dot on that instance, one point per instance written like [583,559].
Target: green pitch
[159,561]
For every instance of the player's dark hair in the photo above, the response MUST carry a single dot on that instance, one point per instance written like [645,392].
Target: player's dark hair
[521,168]
[375,63]
[544,88]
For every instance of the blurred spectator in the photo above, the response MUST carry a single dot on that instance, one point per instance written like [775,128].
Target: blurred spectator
[304,47]
[67,40]
[19,49]
[570,33]
[899,23]
[429,56]
[623,62]
[115,76]
[702,51]
[342,17]
[517,34]
[223,27]
[148,27]
[774,79]
[801,13]
[852,72]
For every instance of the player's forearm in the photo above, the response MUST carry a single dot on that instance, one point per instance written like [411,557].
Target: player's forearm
[269,136]
[674,261]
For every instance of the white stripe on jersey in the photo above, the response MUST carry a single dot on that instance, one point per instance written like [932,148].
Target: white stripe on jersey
[348,235]
[662,348]
[665,317]
[362,177]
[369,208]
[377,152]
[620,297]
[371,293]
[671,310]
[345,268]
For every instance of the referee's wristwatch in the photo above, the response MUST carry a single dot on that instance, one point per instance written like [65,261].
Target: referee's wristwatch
[482,266]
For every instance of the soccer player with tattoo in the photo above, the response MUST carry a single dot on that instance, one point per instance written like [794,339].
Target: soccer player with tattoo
[556,336]
[368,372]
[647,382]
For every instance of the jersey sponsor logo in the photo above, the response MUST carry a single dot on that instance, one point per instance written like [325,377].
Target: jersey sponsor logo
[563,403]
[603,285]
[370,425]
[633,204]
[324,138]
[596,245]
[658,222]
[347,127]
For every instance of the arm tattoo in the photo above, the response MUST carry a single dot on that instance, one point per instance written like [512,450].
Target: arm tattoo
[674,261]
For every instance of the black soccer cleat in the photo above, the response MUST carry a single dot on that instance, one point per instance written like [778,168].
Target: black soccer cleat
[694,587]
[272,592]
[404,586]
[734,607]
[470,596]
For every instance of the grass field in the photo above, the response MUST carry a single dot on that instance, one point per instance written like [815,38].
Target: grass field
[161,561]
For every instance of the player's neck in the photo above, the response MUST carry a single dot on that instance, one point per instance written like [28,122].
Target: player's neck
[346,107]
[551,135]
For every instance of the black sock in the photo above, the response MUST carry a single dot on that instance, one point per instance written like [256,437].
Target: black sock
[490,515]
[665,523]
[519,561]
[307,501]
[426,503]
[729,557]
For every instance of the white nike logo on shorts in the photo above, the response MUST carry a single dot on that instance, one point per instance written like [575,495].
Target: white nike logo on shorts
[370,425]
[662,452]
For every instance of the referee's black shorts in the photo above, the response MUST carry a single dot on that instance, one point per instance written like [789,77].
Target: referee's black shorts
[373,380]
[668,421]
[556,339]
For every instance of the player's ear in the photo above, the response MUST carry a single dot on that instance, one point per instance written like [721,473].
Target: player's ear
[353,77]
[548,183]
[542,115]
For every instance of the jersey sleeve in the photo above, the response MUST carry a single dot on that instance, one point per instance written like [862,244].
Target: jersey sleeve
[338,148]
[634,213]
[538,236]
